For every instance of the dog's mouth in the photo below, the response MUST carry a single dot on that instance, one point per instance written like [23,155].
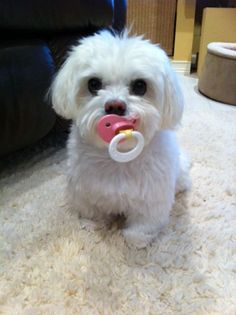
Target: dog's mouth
[110,125]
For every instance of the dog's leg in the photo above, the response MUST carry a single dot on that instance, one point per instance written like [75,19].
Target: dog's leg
[183,182]
[142,229]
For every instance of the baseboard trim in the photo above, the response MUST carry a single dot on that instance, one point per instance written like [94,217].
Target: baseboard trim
[182,67]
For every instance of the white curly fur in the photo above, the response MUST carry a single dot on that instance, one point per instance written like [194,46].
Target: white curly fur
[143,189]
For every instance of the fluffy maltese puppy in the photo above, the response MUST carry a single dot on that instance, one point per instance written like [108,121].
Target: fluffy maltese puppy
[108,74]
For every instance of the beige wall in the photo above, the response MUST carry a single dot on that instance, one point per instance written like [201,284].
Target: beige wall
[218,25]
[184,30]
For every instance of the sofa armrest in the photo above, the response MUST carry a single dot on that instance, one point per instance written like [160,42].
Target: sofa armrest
[25,115]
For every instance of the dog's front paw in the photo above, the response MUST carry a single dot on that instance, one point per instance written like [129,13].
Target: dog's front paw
[90,225]
[137,238]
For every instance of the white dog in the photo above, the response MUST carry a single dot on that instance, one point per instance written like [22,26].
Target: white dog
[129,77]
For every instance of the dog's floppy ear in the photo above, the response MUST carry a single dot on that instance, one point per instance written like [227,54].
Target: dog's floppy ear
[173,99]
[63,90]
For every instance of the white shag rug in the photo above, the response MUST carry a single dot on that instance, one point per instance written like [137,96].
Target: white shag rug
[51,266]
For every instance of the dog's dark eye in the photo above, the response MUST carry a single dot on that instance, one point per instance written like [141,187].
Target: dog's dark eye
[94,85]
[138,87]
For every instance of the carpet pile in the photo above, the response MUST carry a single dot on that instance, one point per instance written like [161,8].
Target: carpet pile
[49,265]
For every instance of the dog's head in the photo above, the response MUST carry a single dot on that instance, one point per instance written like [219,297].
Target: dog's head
[123,75]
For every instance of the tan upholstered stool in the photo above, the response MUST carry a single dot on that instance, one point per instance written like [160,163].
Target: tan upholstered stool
[218,77]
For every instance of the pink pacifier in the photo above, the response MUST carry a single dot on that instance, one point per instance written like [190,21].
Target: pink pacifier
[115,129]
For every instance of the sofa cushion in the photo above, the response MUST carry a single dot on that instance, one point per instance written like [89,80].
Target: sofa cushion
[34,16]
[25,115]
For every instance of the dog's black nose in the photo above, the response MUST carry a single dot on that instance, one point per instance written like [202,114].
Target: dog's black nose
[115,107]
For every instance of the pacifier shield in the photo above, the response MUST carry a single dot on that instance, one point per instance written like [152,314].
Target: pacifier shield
[109,125]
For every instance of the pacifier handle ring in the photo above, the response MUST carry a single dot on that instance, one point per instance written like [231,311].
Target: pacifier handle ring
[126,156]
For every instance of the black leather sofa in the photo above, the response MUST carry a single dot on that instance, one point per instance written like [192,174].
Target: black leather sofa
[35,36]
